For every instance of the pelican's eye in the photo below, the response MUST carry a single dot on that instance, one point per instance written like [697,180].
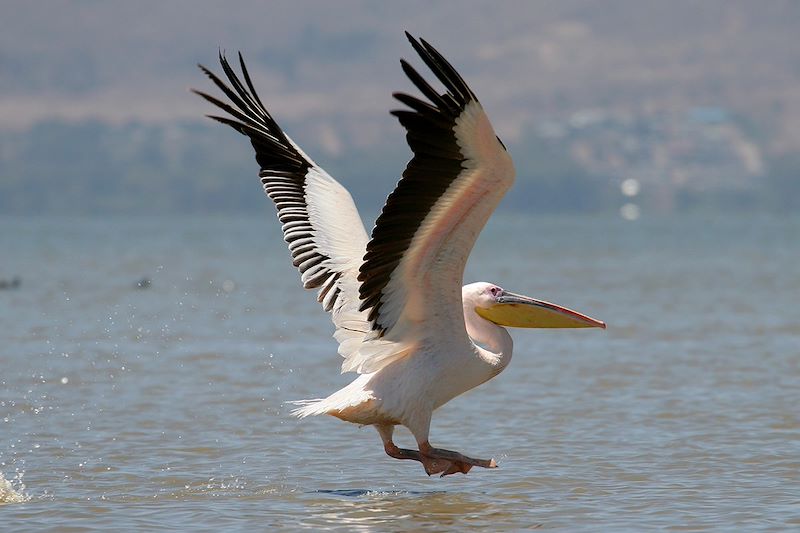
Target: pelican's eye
[495,291]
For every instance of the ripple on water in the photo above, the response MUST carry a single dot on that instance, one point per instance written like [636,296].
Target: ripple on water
[682,415]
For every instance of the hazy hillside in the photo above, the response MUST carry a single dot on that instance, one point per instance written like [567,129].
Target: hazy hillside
[97,91]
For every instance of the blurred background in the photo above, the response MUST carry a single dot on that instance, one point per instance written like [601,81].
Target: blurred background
[619,105]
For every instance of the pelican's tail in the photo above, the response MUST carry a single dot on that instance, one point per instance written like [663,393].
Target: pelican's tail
[349,403]
[308,407]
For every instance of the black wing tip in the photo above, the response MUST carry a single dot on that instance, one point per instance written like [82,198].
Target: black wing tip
[223,60]
[415,42]
[223,57]
[246,101]
[207,71]
[247,115]
[441,68]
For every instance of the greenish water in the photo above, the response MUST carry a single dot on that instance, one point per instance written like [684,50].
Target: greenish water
[161,408]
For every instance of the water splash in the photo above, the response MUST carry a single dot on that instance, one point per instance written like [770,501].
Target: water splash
[9,494]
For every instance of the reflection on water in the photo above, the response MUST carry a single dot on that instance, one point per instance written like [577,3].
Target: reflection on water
[162,406]
[403,510]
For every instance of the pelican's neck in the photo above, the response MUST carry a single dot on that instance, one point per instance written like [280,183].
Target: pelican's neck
[492,342]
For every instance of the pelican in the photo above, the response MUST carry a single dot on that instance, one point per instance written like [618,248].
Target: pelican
[415,336]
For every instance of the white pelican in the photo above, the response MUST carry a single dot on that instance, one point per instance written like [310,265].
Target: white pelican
[404,323]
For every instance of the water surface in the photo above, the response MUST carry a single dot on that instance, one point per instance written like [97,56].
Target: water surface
[161,407]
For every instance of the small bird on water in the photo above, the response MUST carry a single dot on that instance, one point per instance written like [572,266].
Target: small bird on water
[14,283]
[415,336]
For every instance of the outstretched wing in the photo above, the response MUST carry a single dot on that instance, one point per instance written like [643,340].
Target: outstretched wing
[320,222]
[412,272]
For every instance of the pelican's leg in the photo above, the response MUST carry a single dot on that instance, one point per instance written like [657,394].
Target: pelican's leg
[447,462]
[434,460]
[437,460]
[391,448]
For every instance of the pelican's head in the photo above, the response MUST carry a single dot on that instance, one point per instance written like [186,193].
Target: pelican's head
[513,310]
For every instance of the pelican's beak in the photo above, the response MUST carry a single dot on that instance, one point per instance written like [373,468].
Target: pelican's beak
[517,311]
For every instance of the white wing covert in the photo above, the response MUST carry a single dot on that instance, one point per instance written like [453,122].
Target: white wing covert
[402,288]
[320,222]
[413,270]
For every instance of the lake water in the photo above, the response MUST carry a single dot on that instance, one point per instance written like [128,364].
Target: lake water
[161,407]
